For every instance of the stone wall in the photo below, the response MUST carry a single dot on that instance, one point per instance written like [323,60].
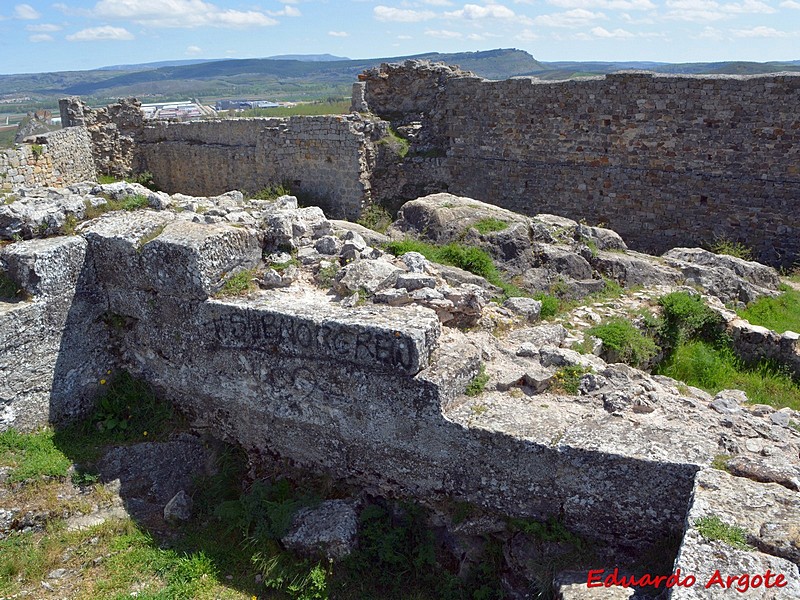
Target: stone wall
[664,160]
[326,159]
[57,159]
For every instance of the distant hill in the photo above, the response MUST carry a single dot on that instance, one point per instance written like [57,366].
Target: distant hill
[307,77]
[567,70]
[282,78]
[308,57]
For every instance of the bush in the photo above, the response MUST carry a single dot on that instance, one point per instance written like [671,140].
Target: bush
[685,317]
[713,528]
[568,379]
[375,217]
[272,192]
[624,342]
[731,248]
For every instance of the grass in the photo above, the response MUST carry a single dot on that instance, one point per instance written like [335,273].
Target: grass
[478,383]
[326,275]
[130,203]
[375,217]
[713,528]
[778,314]
[489,225]
[686,317]
[720,462]
[469,258]
[144,178]
[32,456]
[399,146]
[239,284]
[623,341]
[713,368]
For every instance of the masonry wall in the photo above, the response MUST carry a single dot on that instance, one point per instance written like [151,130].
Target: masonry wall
[57,159]
[326,159]
[664,160]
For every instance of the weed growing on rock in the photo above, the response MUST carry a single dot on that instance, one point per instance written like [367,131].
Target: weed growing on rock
[375,217]
[623,342]
[730,247]
[685,317]
[272,192]
[478,383]
[130,203]
[713,528]
[37,150]
[720,462]
[326,275]
[778,314]
[239,284]
[399,146]
[567,379]
[490,225]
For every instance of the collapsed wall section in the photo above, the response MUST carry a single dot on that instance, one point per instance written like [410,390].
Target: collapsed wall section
[326,159]
[664,160]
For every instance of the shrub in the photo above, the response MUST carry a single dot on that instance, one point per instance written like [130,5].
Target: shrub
[375,217]
[731,248]
[37,150]
[624,342]
[272,192]
[685,317]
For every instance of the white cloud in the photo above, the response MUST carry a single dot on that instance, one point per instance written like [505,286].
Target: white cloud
[404,37]
[40,37]
[286,11]
[759,32]
[607,4]
[193,50]
[438,2]
[790,4]
[106,32]
[400,15]
[711,33]
[338,34]
[474,12]
[526,35]
[44,28]
[601,32]
[710,10]
[571,18]
[444,34]
[180,13]
[26,12]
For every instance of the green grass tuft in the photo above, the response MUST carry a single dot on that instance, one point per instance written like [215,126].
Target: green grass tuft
[239,284]
[778,314]
[272,192]
[713,528]
[32,456]
[478,383]
[489,225]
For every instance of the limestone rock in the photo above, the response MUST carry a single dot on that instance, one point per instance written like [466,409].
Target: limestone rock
[528,308]
[369,275]
[179,508]
[330,528]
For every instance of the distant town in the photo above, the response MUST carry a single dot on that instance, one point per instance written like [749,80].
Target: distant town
[194,109]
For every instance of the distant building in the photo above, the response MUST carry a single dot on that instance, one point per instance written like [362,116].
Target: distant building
[244,104]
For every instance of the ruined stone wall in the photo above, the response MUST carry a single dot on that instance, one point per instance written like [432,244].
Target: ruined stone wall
[57,159]
[664,160]
[113,130]
[327,159]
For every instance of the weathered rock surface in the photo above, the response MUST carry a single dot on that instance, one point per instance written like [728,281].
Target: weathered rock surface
[330,528]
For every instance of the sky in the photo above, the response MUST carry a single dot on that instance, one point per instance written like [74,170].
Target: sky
[42,36]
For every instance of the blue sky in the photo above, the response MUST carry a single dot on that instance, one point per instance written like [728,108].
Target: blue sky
[38,36]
